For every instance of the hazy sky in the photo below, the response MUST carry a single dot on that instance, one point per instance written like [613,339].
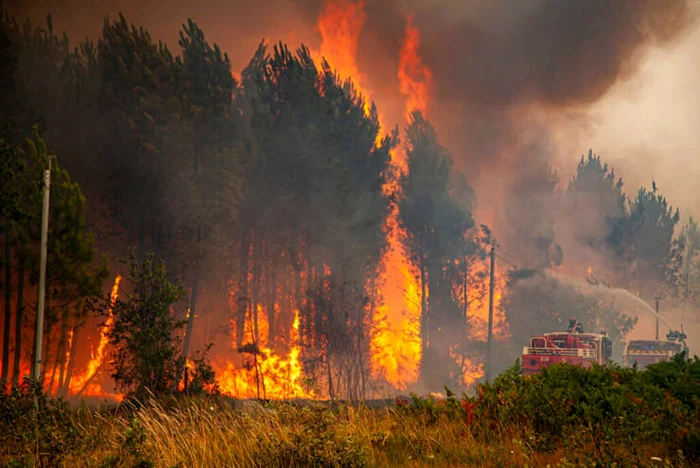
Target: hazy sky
[649,127]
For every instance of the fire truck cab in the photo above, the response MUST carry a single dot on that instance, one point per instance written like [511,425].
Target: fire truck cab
[572,347]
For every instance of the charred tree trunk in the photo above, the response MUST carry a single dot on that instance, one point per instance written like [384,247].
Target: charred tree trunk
[425,322]
[19,315]
[285,312]
[192,310]
[308,306]
[193,295]
[242,287]
[142,237]
[298,300]
[257,246]
[330,376]
[62,354]
[8,310]
[271,282]
[47,337]
[71,362]
[197,265]
[360,345]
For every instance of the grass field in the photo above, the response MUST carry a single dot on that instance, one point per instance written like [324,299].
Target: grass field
[564,417]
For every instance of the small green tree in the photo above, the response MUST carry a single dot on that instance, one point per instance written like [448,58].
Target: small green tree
[146,349]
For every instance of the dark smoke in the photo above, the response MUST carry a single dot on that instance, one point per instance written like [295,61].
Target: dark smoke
[493,57]
[496,64]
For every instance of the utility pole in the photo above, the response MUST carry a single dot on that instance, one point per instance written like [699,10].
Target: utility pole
[490,332]
[42,273]
[657,318]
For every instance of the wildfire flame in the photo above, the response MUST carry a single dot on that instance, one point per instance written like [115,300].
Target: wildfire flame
[272,376]
[78,383]
[340,23]
[261,368]
[396,342]
[415,79]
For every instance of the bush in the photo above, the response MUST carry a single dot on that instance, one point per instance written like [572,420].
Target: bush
[34,427]
[619,413]
[315,437]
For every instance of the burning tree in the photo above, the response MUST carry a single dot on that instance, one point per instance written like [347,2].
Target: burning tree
[311,221]
[436,227]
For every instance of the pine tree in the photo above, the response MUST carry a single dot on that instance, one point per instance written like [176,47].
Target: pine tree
[683,272]
[650,228]
[597,198]
[74,274]
[436,228]
[214,181]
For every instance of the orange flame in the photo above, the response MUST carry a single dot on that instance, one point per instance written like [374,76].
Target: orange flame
[96,360]
[340,23]
[396,342]
[415,79]
[272,375]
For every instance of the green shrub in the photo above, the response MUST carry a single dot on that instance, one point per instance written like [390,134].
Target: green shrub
[35,429]
[617,412]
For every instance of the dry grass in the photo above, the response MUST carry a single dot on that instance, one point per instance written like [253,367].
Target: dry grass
[599,416]
[206,433]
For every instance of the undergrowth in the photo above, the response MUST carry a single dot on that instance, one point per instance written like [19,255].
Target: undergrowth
[566,416]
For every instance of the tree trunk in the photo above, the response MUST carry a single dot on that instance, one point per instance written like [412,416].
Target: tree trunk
[286,313]
[298,299]
[62,365]
[8,310]
[71,362]
[242,287]
[190,318]
[18,323]
[142,237]
[360,346]
[48,325]
[61,355]
[425,332]
[257,245]
[271,282]
[330,378]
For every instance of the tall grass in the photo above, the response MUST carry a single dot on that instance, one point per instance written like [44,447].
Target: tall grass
[204,433]
[565,417]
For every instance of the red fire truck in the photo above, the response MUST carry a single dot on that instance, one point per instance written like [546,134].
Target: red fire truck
[572,347]
[646,352]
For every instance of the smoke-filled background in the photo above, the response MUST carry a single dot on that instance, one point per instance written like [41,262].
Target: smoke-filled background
[512,81]
[516,91]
